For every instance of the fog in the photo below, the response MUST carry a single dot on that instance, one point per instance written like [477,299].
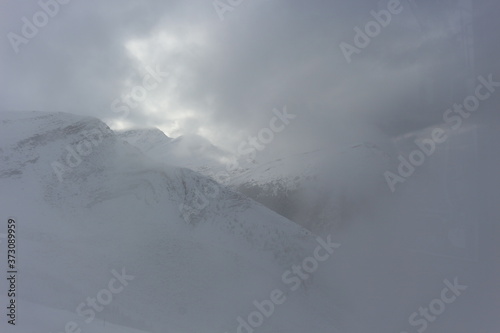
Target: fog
[239,133]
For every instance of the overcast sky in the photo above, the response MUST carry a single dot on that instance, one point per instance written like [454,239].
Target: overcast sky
[223,78]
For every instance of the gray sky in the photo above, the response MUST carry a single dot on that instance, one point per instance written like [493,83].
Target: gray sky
[225,77]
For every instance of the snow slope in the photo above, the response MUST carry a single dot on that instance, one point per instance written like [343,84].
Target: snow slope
[112,208]
[189,151]
[397,248]
[320,190]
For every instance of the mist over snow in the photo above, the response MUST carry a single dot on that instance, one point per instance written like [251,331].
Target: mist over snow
[249,166]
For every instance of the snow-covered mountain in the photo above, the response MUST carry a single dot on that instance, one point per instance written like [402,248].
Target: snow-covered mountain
[189,151]
[111,240]
[146,139]
[89,206]
[319,190]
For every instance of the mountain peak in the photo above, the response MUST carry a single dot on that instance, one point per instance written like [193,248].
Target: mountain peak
[152,131]
[145,138]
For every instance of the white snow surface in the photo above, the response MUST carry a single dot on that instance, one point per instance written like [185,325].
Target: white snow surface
[118,209]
